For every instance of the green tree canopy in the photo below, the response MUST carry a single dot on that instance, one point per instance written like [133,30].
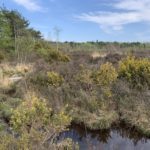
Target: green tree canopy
[12,26]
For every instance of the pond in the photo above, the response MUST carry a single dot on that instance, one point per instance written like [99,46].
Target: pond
[118,137]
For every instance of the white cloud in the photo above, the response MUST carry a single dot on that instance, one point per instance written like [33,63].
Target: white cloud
[126,12]
[132,4]
[31,5]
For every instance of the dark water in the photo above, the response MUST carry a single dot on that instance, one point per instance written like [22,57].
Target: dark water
[116,138]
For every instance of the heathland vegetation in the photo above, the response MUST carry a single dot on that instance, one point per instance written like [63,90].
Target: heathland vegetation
[45,86]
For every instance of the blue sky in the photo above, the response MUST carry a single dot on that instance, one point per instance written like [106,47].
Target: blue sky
[87,20]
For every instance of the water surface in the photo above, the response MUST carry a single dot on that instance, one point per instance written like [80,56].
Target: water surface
[116,138]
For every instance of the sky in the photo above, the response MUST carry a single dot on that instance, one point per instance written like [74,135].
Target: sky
[87,20]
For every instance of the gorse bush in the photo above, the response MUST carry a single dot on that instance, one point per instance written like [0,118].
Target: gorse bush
[58,56]
[42,52]
[39,44]
[54,79]
[61,119]
[30,111]
[50,78]
[25,142]
[37,126]
[135,71]
[84,77]
[51,55]
[44,49]
[105,75]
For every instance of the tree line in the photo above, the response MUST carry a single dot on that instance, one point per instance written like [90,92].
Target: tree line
[14,26]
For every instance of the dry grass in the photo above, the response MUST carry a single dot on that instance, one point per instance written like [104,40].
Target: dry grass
[96,55]
[103,119]
[12,73]
[139,117]
[11,69]
[5,82]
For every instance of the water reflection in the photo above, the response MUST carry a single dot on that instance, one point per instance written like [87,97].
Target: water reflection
[117,138]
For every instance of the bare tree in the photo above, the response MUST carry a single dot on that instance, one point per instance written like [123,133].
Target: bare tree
[57,31]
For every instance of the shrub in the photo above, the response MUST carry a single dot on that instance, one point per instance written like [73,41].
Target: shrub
[61,119]
[84,76]
[1,57]
[52,55]
[5,111]
[30,111]
[42,52]
[39,79]
[138,116]
[42,44]
[105,75]
[67,144]
[103,119]
[58,56]
[135,71]
[37,125]
[54,79]
[3,126]
[25,142]
[6,106]
[38,46]
[49,79]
